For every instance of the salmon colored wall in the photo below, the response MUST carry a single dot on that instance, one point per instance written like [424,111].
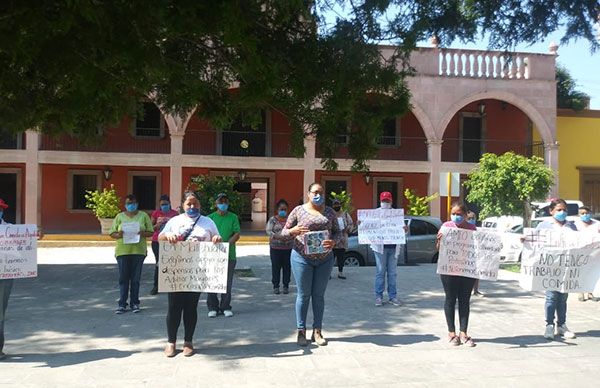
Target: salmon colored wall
[200,138]
[20,166]
[56,217]
[289,186]
[187,173]
[281,132]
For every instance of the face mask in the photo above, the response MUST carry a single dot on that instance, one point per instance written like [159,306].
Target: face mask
[457,219]
[472,222]
[560,215]
[282,213]
[131,207]
[337,208]
[1,214]
[222,206]
[165,208]
[584,217]
[318,200]
[386,205]
[192,212]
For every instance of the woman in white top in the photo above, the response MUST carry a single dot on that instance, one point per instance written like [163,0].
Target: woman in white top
[587,224]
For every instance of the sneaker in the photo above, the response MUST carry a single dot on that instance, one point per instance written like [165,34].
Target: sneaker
[564,331]
[341,276]
[228,313]
[154,291]
[395,302]
[479,294]
[212,314]
[135,308]
[549,333]
[276,291]
[378,302]
[170,350]
[286,290]
[301,338]
[120,310]
[317,337]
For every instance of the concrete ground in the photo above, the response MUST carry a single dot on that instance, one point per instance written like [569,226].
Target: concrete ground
[61,331]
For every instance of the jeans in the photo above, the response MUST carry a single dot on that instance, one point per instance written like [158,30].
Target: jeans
[386,262]
[457,287]
[130,273]
[212,299]
[5,289]
[311,278]
[556,302]
[280,262]
[186,303]
[339,258]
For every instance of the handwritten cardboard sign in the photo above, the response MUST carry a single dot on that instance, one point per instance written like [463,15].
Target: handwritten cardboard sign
[381,226]
[18,251]
[469,253]
[563,261]
[193,266]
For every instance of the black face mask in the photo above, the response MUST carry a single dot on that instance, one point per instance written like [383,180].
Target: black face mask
[337,208]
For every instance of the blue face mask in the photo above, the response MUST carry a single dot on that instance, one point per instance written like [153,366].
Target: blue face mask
[584,217]
[472,222]
[456,218]
[318,200]
[131,207]
[192,212]
[560,215]
[282,213]
[223,206]
[165,208]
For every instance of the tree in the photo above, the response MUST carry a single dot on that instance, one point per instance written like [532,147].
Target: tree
[208,187]
[73,67]
[566,94]
[418,206]
[506,184]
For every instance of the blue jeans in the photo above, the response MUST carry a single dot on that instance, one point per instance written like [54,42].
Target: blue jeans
[130,273]
[311,277]
[5,289]
[556,302]
[386,263]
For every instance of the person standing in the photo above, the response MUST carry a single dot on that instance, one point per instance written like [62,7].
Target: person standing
[472,219]
[386,261]
[457,287]
[228,225]
[346,225]
[312,269]
[280,248]
[130,254]
[189,226]
[159,219]
[556,302]
[587,224]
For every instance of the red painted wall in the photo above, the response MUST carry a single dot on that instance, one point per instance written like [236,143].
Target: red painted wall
[200,138]
[281,133]
[289,186]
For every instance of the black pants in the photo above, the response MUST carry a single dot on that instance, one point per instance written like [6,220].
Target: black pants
[457,287]
[155,245]
[339,258]
[212,300]
[186,303]
[280,261]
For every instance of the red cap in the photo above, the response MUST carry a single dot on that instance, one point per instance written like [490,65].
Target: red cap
[3,204]
[385,195]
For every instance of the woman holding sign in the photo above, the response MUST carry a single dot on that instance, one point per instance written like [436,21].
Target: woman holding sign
[193,227]
[457,287]
[316,232]
[159,218]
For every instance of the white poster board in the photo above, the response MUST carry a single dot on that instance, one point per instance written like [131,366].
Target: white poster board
[563,261]
[18,251]
[193,266]
[454,182]
[469,253]
[381,226]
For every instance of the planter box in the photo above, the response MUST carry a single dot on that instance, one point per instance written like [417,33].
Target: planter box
[105,224]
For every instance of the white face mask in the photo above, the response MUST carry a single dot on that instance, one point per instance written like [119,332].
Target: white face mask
[386,205]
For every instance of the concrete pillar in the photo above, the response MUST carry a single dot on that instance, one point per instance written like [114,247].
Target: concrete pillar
[434,153]
[551,156]
[310,155]
[33,178]
[175,179]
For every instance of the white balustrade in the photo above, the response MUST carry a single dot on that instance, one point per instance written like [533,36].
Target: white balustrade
[483,64]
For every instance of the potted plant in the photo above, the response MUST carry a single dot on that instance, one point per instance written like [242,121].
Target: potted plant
[105,204]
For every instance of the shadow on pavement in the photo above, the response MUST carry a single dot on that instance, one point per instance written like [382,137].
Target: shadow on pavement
[275,349]
[56,360]
[525,341]
[388,339]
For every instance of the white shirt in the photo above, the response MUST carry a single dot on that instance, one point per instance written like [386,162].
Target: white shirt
[204,229]
[594,227]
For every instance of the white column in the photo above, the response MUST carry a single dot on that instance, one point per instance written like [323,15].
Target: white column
[175,180]
[551,156]
[310,154]
[434,153]
[33,184]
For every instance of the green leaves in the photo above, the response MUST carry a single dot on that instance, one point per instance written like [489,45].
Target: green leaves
[345,200]
[501,185]
[105,203]
[418,206]
[208,187]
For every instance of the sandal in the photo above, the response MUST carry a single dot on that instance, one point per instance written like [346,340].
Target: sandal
[467,341]
[453,341]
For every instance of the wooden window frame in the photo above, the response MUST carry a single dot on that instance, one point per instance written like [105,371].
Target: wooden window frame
[398,180]
[157,174]
[70,174]
[461,116]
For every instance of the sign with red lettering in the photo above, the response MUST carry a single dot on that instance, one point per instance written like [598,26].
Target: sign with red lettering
[18,251]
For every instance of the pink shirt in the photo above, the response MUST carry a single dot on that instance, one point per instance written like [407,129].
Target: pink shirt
[160,217]
[463,225]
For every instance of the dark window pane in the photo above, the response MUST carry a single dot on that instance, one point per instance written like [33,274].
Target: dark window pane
[392,187]
[149,123]
[243,140]
[388,136]
[431,229]
[335,186]
[8,192]
[418,228]
[144,188]
[81,184]
[9,141]
[472,136]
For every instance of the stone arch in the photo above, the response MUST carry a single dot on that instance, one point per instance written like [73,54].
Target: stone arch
[546,132]
[424,120]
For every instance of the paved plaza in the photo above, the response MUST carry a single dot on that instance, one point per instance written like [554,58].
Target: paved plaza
[61,331]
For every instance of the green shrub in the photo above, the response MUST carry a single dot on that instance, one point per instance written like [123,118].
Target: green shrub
[105,203]
[418,206]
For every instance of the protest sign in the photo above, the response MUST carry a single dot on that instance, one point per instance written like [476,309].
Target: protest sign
[131,232]
[18,251]
[193,266]
[381,226]
[469,253]
[564,261]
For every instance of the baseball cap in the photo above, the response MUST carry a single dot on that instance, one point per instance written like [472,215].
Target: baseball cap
[222,195]
[3,204]
[385,195]
[336,201]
